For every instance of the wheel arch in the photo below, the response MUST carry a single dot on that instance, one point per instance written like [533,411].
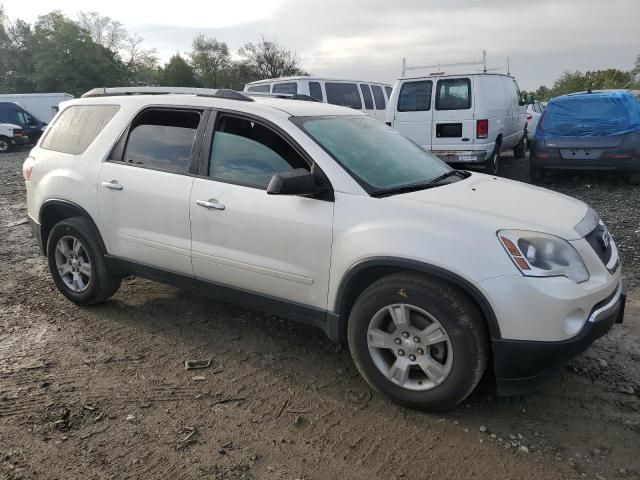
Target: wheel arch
[55,210]
[364,273]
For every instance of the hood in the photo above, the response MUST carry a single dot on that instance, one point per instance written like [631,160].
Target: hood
[10,125]
[500,203]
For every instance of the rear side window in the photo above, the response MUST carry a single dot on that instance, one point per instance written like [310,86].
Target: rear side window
[453,94]
[77,127]
[162,139]
[378,96]
[259,88]
[366,94]
[343,94]
[315,90]
[288,88]
[388,90]
[415,96]
[248,153]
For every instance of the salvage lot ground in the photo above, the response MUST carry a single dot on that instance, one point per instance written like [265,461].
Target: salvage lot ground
[103,393]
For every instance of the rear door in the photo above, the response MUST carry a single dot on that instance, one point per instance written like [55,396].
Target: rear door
[413,112]
[453,122]
[345,94]
[144,188]
[367,97]
[380,102]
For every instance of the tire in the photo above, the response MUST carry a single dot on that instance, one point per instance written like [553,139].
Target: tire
[455,364]
[492,166]
[5,145]
[72,244]
[520,150]
[536,174]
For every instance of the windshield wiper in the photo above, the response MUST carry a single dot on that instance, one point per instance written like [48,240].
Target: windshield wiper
[450,173]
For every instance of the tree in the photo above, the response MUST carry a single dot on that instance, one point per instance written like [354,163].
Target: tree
[267,59]
[142,64]
[210,60]
[104,30]
[178,73]
[65,57]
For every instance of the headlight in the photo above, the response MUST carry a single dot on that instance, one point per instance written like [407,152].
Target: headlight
[542,255]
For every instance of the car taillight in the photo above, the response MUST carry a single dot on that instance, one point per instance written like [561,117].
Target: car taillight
[27,168]
[18,133]
[529,116]
[541,155]
[482,128]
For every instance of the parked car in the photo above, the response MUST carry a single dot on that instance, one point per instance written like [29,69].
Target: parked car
[597,130]
[31,126]
[463,119]
[41,105]
[11,136]
[534,112]
[322,214]
[370,97]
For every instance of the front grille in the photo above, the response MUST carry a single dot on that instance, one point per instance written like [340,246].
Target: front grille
[601,242]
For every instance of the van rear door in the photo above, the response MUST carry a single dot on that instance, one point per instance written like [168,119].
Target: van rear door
[453,122]
[413,111]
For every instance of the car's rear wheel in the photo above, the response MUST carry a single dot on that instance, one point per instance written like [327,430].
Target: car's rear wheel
[419,341]
[76,261]
[492,166]
[5,145]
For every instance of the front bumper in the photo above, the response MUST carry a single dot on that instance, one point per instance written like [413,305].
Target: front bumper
[20,141]
[463,156]
[521,366]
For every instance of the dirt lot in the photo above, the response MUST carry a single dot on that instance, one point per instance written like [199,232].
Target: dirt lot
[103,393]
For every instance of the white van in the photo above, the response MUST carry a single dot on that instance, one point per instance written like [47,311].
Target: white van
[467,118]
[370,97]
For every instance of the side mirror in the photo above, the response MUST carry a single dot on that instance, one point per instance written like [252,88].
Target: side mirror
[296,182]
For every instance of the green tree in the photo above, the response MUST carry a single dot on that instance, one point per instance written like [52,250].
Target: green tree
[267,59]
[210,60]
[15,56]
[178,73]
[142,64]
[65,57]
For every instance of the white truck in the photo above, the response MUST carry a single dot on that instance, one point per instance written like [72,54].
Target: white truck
[462,118]
[10,136]
[43,106]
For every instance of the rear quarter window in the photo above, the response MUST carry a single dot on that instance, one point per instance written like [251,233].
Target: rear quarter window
[77,127]
[343,94]
[415,96]
[290,88]
[259,88]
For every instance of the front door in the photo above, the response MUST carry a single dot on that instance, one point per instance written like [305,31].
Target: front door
[275,245]
[143,191]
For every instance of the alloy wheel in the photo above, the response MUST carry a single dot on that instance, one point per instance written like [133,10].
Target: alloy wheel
[73,263]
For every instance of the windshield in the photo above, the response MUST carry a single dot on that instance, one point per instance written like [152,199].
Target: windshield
[377,156]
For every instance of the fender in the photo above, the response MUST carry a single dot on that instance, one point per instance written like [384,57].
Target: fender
[352,277]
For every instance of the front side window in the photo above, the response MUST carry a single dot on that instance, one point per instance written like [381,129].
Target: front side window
[453,94]
[366,94]
[378,96]
[415,96]
[162,139]
[315,91]
[259,88]
[343,94]
[77,127]
[290,88]
[377,156]
[248,153]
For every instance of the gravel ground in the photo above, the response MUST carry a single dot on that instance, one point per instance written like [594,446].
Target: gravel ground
[102,392]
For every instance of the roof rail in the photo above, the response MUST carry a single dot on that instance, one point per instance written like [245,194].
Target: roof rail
[289,96]
[201,92]
[439,66]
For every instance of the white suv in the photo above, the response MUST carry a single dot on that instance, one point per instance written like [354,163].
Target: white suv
[325,215]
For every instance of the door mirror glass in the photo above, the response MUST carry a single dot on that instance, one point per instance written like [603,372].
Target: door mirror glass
[295,182]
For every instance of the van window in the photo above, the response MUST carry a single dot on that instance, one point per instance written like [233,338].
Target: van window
[343,94]
[453,94]
[259,88]
[316,91]
[388,90]
[366,94]
[290,88]
[247,153]
[162,139]
[378,96]
[415,96]
[77,127]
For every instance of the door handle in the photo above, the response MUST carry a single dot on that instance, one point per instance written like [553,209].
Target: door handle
[211,203]
[112,185]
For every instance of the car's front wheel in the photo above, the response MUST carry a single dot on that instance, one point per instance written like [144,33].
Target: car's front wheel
[76,261]
[419,341]
[5,145]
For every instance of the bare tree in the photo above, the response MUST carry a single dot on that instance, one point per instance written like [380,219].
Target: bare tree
[104,30]
[268,59]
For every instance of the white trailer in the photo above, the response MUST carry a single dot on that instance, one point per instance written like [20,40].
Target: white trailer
[43,106]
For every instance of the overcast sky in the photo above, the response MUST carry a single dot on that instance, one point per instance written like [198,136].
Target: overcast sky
[367,39]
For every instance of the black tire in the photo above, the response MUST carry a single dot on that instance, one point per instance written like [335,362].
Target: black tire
[492,166]
[520,150]
[456,313]
[536,174]
[102,283]
[5,144]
